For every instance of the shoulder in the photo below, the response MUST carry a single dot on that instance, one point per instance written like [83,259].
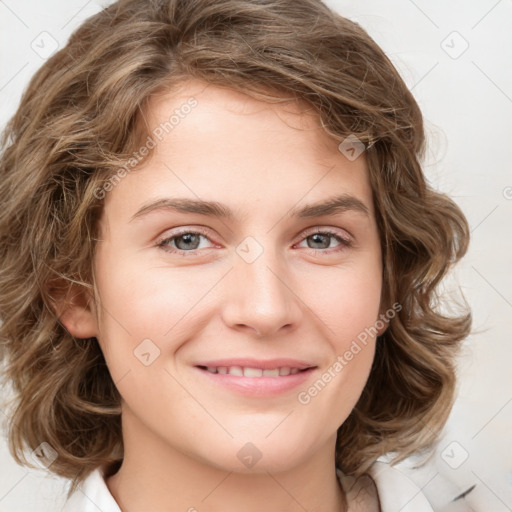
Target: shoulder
[92,495]
[391,488]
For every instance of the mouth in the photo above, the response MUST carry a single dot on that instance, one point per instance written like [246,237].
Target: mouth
[252,372]
[257,378]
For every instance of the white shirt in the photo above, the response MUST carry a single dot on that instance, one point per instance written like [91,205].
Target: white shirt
[388,485]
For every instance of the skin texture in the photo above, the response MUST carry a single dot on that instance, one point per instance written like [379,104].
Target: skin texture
[297,299]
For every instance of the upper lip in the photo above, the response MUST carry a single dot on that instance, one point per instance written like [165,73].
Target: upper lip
[267,364]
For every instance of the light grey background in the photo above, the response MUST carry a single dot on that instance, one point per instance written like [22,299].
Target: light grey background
[466,98]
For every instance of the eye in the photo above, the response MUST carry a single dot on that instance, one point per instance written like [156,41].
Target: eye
[186,242]
[321,239]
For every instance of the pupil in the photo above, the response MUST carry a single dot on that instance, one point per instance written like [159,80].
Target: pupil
[189,240]
[325,238]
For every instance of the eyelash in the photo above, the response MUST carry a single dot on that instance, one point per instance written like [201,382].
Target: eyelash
[163,244]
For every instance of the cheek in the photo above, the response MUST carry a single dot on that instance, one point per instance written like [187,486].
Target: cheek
[349,313]
[349,310]
[141,303]
[349,301]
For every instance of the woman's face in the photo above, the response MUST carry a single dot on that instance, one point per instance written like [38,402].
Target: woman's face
[240,284]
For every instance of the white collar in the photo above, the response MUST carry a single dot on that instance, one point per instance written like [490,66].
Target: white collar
[92,495]
[395,491]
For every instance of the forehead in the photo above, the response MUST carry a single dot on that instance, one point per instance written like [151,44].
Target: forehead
[236,149]
[214,98]
[221,108]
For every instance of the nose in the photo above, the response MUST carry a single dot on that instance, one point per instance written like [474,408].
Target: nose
[260,297]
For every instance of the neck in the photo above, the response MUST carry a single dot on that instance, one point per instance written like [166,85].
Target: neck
[158,477]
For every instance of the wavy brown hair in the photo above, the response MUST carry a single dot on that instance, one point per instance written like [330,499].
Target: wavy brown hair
[80,119]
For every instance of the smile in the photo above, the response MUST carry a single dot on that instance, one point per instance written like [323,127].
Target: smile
[255,378]
[247,371]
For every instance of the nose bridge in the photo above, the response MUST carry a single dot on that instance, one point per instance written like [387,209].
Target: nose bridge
[261,297]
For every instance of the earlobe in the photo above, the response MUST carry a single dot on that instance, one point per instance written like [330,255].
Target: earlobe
[381,331]
[76,313]
[382,323]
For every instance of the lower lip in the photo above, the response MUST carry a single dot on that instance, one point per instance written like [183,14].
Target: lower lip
[258,386]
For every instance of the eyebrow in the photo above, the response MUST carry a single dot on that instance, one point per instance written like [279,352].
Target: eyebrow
[331,206]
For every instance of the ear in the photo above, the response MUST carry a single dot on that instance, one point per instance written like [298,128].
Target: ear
[381,329]
[385,316]
[76,312]
[382,322]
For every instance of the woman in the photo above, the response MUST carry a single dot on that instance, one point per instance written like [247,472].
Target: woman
[219,264]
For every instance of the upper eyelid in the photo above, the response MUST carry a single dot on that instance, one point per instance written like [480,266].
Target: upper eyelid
[330,230]
[195,230]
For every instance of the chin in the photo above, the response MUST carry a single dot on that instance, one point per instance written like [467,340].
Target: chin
[256,457]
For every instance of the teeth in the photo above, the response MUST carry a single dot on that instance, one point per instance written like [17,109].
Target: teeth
[235,370]
[240,371]
[253,372]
